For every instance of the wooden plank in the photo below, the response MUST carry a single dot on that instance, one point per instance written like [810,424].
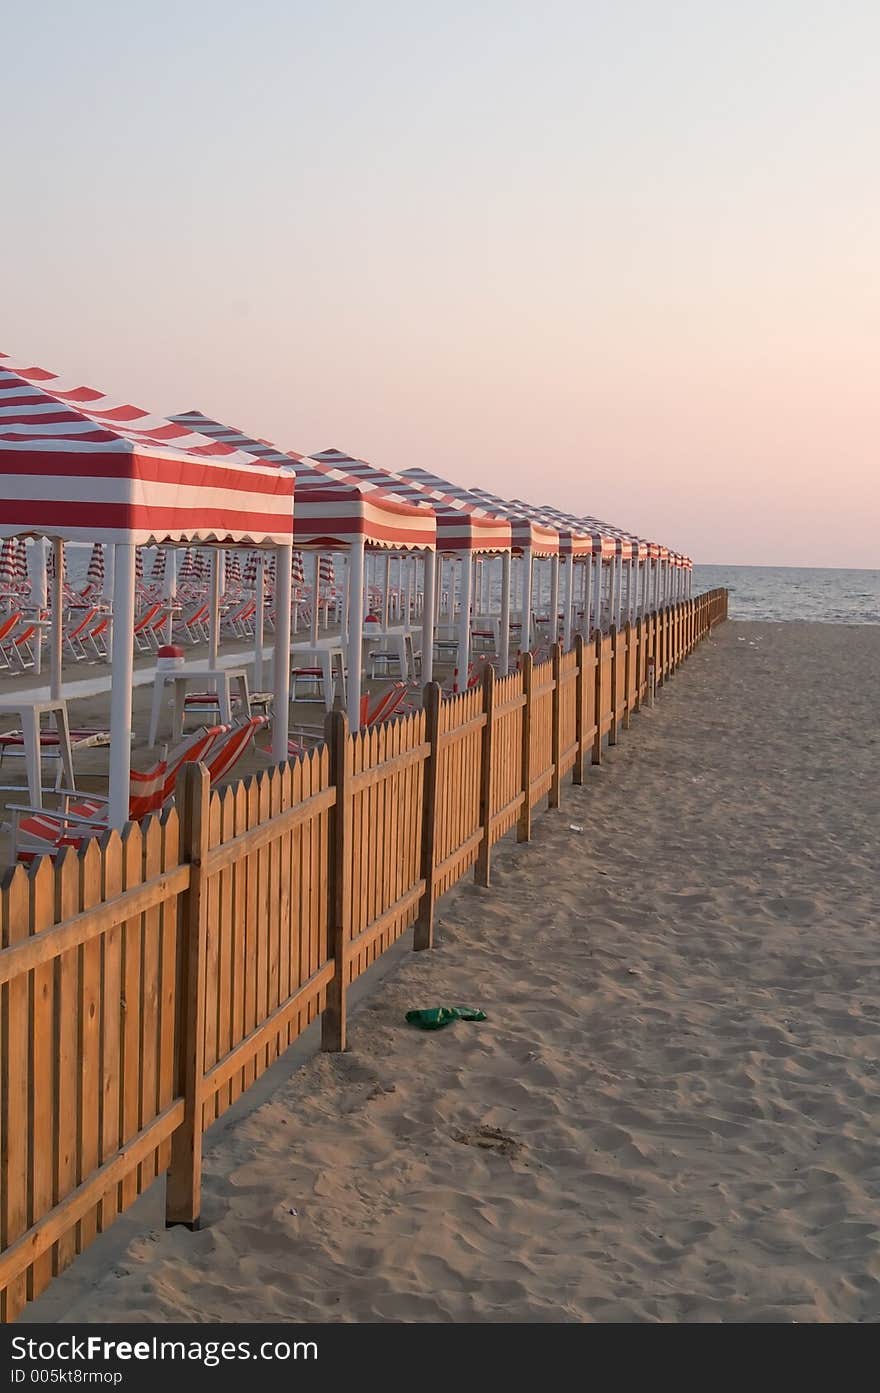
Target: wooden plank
[423,933]
[66,1107]
[239,968]
[89,1047]
[111,1025]
[285,926]
[41,1093]
[524,823]
[150,971]
[333,1021]
[211,891]
[168,983]
[130,1043]
[251,930]
[183,1194]
[597,697]
[225,965]
[14,921]
[274,910]
[555,718]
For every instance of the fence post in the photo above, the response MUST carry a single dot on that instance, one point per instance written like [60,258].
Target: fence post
[577,773]
[524,822]
[612,734]
[482,869]
[555,791]
[627,675]
[334,1018]
[423,933]
[597,699]
[183,1191]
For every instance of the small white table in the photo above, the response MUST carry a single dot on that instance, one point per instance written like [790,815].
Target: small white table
[322,655]
[397,640]
[221,679]
[30,713]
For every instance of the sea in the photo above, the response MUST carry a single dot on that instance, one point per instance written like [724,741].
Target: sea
[778,593]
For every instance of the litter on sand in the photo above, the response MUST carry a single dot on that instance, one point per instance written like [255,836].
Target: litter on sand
[435,1017]
[573,827]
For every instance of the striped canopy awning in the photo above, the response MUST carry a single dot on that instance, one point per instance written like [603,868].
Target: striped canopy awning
[541,538]
[332,508]
[462,525]
[76,465]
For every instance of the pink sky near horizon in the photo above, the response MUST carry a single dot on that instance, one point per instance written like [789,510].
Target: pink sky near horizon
[612,258]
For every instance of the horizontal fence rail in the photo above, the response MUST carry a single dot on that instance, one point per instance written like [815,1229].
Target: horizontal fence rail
[150,978]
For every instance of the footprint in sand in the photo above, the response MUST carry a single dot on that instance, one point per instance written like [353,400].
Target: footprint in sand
[489,1139]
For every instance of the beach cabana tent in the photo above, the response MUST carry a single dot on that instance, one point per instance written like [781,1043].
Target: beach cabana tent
[337,513]
[464,530]
[76,466]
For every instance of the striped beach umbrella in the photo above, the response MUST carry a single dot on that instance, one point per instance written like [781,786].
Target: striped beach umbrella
[249,577]
[21,567]
[297,568]
[95,572]
[50,563]
[159,562]
[326,571]
[187,566]
[202,565]
[8,556]
[233,569]
[139,563]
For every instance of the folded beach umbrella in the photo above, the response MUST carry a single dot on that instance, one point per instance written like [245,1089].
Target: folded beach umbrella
[249,577]
[159,562]
[187,566]
[21,566]
[139,563]
[326,572]
[233,569]
[297,568]
[8,560]
[95,572]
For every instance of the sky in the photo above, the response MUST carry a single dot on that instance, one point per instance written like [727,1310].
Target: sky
[618,256]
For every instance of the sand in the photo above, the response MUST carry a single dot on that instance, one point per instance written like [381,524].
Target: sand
[671,1111]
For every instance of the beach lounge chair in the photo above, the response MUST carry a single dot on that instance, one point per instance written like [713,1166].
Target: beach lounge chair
[374,710]
[36,831]
[73,637]
[142,630]
[196,623]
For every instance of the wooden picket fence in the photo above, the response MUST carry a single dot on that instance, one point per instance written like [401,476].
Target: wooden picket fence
[147,980]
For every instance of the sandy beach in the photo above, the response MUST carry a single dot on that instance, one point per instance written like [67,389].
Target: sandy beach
[670,1113]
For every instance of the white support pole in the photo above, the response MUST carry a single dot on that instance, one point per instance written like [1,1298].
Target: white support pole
[55,651]
[526,600]
[214,616]
[313,622]
[432,561]
[40,593]
[386,599]
[122,665]
[618,608]
[260,624]
[554,598]
[464,618]
[629,590]
[355,630]
[281,663]
[586,626]
[568,602]
[504,620]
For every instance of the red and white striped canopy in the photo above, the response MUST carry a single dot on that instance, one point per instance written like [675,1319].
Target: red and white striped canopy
[541,538]
[76,465]
[332,507]
[462,525]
